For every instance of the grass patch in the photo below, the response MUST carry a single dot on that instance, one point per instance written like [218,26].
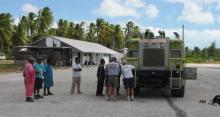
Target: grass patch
[9,66]
[201,59]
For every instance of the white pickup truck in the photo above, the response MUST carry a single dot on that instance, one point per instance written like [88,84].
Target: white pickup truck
[2,56]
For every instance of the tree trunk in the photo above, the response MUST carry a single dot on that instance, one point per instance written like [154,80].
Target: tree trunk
[2,46]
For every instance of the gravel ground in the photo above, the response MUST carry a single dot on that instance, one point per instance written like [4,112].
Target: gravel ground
[152,103]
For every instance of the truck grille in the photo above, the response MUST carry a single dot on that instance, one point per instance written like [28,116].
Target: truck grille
[175,53]
[153,58]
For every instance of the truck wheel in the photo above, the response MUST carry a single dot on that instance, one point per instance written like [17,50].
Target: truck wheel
[137,90]
[178,92]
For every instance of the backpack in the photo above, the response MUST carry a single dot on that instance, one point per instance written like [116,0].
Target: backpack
[216,100]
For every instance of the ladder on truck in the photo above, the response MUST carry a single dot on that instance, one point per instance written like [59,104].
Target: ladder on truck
[177,79]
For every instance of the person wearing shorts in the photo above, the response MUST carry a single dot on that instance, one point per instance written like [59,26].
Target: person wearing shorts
[39,69]
[112,72]
[128,80]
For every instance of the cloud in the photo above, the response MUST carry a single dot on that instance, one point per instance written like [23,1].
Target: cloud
[201,38]
[195,14]
[113,8]
[151,11]
[207,2]
[198,11]
[218,6]
[125,8]
[54,25]
[218,19]
[26,8]
[16,21]
[135,3]
[193,38]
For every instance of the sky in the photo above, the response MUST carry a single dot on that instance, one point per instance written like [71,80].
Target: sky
[201,18]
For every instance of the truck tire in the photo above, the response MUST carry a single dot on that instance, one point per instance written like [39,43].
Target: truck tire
[178,92]
[137,90]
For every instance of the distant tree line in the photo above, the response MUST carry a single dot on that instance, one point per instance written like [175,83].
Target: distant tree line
[196,54]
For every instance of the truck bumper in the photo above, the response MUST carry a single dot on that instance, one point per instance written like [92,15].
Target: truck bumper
[154,78]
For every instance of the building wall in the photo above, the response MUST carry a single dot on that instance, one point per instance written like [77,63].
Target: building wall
[91,58]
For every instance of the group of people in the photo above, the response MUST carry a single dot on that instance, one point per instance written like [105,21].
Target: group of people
[37,76]
[40,75]
[110,76]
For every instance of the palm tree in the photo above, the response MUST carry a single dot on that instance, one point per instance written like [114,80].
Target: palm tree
[53,31]
[118,37]
[5,29]
[212,48]
[79,31]
[71,30]
[32,23]
[128,33]
[62,28]
[44,20]
[99,28]
[91,33]
[20,35]
[136,33]
[148,34]
[196,50]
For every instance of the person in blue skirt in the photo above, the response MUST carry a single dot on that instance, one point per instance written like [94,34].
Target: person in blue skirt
[48,80]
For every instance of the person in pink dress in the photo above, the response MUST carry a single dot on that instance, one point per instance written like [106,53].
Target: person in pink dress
[29,79]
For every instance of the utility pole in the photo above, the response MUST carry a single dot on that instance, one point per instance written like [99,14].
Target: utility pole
[2,45]
[184,53]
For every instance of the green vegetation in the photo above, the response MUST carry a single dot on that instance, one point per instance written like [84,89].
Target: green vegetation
[132,61]
[9,66]
[33,26]
[206,55]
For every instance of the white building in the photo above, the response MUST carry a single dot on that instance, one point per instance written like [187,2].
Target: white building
[63,51]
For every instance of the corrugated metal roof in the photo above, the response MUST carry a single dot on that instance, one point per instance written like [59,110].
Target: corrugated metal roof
[86,47]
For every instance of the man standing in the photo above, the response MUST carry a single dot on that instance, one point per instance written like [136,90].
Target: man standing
[77,68]
[128,80]
[101,78]
[112,70]
[29,79]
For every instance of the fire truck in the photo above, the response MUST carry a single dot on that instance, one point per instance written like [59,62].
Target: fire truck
[160,63]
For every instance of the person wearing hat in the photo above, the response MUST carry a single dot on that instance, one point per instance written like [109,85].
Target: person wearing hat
[29,79]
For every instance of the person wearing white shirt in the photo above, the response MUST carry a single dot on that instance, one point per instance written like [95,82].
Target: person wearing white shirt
[77,68]
[128,80]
